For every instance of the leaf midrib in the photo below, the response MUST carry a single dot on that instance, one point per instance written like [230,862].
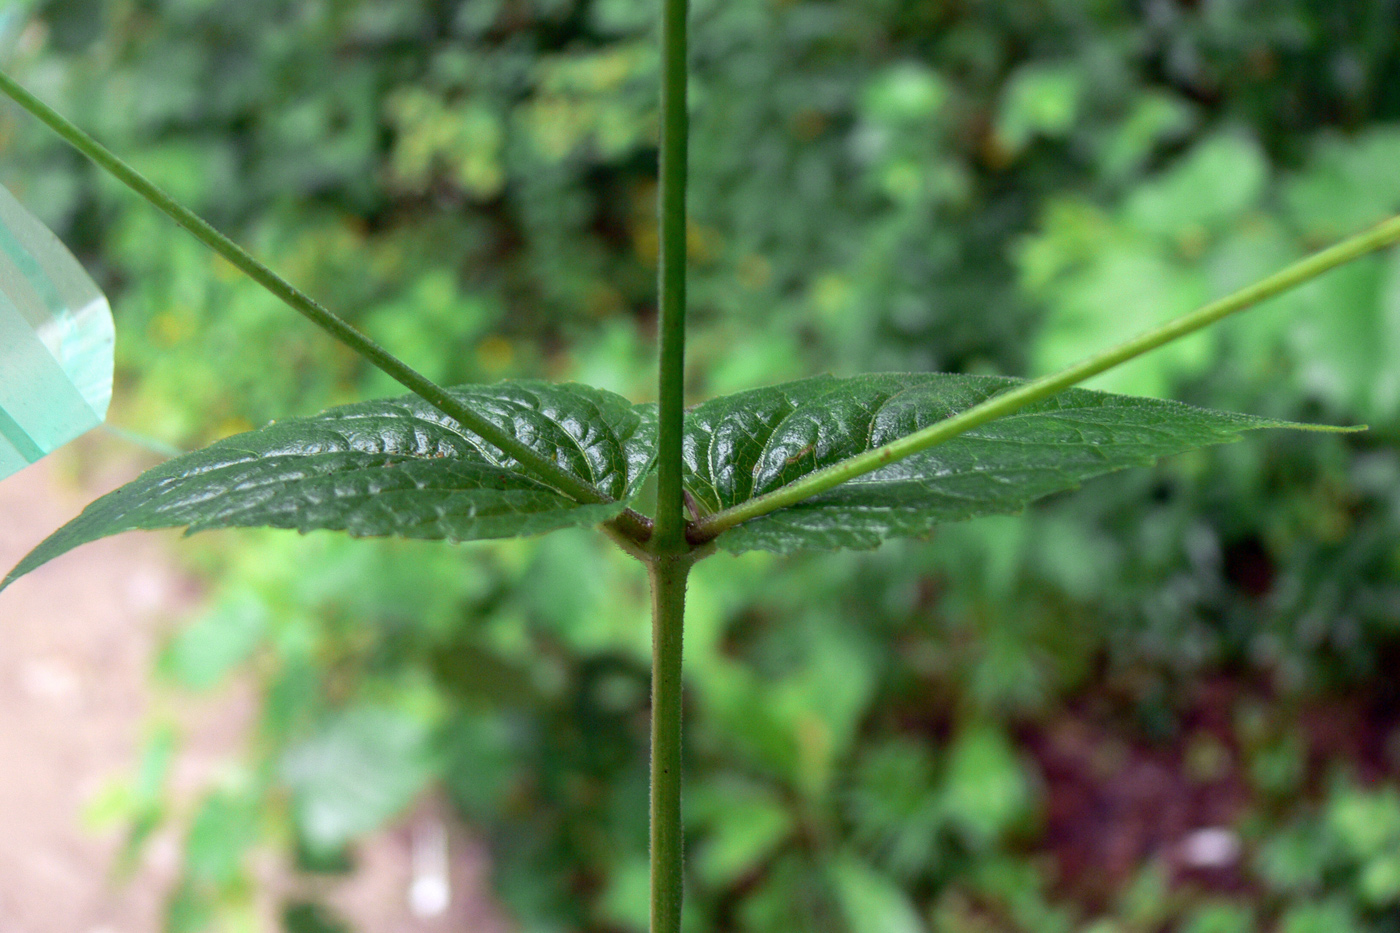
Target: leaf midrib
[1066,414]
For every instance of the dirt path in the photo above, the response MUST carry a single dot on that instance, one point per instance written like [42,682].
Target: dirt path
[77,639]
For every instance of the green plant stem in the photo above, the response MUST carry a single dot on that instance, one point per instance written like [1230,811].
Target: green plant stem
[670,558]
[334,325]
[668,579]
[1378,237]
[670,508]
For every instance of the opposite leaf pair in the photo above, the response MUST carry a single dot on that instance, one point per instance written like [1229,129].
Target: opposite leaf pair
[401,467]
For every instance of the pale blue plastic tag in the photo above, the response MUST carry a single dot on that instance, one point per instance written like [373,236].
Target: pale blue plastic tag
[56,339]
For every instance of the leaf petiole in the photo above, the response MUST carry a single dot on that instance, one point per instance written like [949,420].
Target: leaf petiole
[302,303]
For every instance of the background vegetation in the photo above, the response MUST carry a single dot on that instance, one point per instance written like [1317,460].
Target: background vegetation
[1016,726]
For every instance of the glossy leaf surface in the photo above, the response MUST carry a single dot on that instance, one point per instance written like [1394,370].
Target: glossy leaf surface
[743,446]
[394,467]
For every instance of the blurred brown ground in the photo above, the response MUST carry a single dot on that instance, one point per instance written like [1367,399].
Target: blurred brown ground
[77,640]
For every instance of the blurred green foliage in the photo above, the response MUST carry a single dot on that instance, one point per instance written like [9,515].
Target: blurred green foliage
[894,184]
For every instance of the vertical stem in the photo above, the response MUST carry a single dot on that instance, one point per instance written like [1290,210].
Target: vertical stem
[670,511]
[670,559]
[668,578]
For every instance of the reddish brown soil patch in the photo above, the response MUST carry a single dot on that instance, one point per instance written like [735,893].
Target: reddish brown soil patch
[1116,802]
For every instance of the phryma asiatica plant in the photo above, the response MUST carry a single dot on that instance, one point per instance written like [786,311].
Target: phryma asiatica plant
[818,464]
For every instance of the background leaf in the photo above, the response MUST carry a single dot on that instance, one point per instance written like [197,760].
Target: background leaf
[743,446]
[362,768]
[870,903]
[853,211]
[395,467]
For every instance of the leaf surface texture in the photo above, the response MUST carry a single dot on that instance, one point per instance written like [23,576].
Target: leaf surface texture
[394,467]
[745,445]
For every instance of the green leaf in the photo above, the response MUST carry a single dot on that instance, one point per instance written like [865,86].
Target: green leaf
[363,767]
[224,827]
[1331,916]
[393,467]
[198,657]
[743,834]
[1365,824]
[743,446]
[1349,183]
[985,791]
[870,901]
[310,917]
[1204,191]
[1039,100]
[1221,917]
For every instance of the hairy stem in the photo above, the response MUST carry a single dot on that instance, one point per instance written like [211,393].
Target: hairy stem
[670,558]
[334,325]
[670,508]
[668,579]
[1378,237]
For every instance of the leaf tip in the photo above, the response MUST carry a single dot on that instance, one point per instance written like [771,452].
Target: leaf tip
[1331,428]
[19,570]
